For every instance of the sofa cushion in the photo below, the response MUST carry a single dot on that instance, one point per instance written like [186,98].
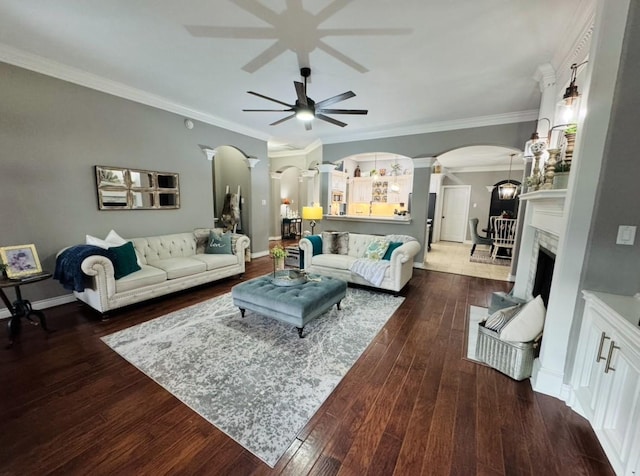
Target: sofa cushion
[216,261]
[219,244]
[202,237]
[335,242]
[392,246]
[376,249]
[179,267]
[333,261]
[124,260]
[147,276]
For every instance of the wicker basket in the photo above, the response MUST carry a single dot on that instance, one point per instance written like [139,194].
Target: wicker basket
[514,359]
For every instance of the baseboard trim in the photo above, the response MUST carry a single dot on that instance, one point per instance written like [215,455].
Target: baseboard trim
[259,254]
[547,381]
[43,304]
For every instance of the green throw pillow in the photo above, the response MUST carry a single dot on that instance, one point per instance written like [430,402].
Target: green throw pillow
[219,244]
[376,249]
[392,246]
[125,260]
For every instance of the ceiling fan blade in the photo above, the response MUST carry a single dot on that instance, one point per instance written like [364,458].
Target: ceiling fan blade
[307,126]
[270,99]
[335,99]
[267,110]
[282,120]
[331,120]
[302,96]
[343,111]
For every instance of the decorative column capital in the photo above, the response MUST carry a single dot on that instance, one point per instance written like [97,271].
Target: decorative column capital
[545,75]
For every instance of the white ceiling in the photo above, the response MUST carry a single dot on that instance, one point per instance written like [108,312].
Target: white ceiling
[417,65]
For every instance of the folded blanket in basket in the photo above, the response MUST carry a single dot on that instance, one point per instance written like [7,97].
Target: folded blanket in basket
[68,265]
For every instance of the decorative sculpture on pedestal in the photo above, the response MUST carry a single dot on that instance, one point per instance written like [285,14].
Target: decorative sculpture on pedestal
[537,149]
[550,169]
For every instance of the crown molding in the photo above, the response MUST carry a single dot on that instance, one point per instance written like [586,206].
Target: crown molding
[480,121]
[295,152]
[578,40]
[61,71]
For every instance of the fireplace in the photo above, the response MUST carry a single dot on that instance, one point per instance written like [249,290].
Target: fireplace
[544,274]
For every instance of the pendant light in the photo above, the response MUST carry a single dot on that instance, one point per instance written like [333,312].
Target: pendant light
[508,191]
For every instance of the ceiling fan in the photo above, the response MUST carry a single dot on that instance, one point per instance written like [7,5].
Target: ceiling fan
[306,109]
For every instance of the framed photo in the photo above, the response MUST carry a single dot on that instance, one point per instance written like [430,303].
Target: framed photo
[21,260]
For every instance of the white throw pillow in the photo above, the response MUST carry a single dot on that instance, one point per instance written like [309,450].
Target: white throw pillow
[92,240]
[112,240]
[527,324]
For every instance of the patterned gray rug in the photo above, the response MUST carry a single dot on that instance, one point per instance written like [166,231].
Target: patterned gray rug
[483,256]
[254,378]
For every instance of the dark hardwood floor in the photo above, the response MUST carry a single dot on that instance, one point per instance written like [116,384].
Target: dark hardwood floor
[411,404]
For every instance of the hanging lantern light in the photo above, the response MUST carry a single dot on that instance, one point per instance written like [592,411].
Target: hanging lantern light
[508,190]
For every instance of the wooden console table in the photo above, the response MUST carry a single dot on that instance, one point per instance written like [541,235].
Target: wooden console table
[21,307]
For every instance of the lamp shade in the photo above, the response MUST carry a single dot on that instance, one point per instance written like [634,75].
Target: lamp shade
[312,213]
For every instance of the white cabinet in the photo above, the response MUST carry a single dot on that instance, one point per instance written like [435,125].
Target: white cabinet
[361,190]
[338,181]
[606,376]
[404,184]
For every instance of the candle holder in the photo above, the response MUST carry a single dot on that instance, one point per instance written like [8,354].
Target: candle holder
[550,169]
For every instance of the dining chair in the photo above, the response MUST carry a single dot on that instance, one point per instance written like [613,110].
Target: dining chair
[504,234]
[476,238]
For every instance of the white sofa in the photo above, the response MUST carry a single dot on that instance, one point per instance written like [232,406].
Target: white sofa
[396,275]
[169,263]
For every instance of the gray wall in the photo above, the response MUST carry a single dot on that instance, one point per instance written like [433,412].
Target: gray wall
[420,145]
[479,193]
[52,133]
[609,267]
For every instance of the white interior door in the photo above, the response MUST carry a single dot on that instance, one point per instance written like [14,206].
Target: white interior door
[455,212]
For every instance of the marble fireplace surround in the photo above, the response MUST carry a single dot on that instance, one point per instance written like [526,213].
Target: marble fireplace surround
[544,222]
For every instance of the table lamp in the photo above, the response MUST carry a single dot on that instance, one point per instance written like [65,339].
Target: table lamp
[312,213]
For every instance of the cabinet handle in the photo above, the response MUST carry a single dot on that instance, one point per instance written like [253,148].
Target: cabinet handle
[607,365]
[602,338]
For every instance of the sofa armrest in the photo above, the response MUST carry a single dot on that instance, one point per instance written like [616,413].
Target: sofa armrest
[405,253]
[101,269]
[307,248]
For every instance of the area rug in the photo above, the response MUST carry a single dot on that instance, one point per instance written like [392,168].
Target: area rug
[476,314]
[253,377]
[484,256]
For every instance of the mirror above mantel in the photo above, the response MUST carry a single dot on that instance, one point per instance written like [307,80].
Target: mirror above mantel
[121,188]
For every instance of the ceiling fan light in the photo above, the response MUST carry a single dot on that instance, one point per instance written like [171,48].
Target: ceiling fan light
[304,115]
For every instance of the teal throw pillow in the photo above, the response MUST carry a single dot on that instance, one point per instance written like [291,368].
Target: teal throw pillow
[392,246]
[125,260]
[219,244]
[376,249]
[316,242]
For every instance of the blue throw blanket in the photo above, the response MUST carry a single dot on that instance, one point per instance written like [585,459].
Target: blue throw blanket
[68,265]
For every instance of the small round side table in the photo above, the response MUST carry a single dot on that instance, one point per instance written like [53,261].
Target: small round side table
[21,307]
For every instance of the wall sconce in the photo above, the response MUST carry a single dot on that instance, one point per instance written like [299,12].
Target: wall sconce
[571,98]
[252,162]
[508,191]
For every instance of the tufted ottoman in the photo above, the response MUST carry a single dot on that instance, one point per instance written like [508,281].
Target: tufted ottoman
[295,305]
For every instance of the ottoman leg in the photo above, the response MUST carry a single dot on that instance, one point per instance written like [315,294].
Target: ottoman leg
[300,329]
[338,305]
[242,309]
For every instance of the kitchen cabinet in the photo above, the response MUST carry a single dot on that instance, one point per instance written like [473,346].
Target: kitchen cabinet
[606,376]
[405,187]
[361,190]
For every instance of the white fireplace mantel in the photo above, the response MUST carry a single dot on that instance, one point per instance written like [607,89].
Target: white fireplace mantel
[545,210]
